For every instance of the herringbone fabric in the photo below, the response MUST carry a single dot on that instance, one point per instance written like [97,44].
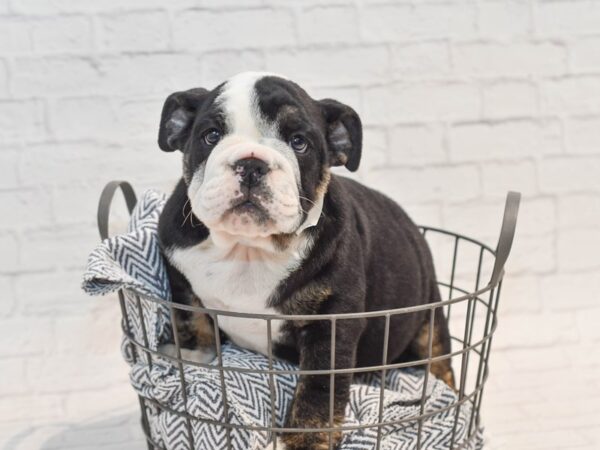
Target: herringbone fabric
[133,262]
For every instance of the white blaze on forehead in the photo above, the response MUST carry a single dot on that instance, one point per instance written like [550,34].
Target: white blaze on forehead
[239,101]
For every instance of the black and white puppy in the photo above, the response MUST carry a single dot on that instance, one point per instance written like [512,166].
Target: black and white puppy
[259,224]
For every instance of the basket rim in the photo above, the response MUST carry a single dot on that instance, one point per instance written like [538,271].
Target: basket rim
[309,317]
[500,255]
[215,313]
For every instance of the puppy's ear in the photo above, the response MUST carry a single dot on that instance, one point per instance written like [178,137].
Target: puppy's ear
[177,117]
[344,134]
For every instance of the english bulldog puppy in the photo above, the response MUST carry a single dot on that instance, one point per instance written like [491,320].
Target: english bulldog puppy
[258,223]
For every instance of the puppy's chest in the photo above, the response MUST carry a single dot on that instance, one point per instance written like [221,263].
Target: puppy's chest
[237,280]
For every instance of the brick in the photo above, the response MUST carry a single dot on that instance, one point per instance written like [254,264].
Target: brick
[41,162]
[146,75]
[578,249]
[503,420]
[31,408]
[551,328]
[61,294]
[375,150]
[10,253]
[62,35]
[579,211]
[99,120]
[3,79]
[424,214]
[149,75]
[545,358]
[9,161]
[67,374]
[119,397]
[118,432]
[537,216]
[524,59]
[571,17]
[24,209]
[477,219]
[504,140]
[571,95]
[420,60]
[407,185]
[220,65]
[510,99]
[43,7]
[324,67]
[39,247]
[222,30]
[504,18]
[137,118]
[13,377]
[584,355]
[52,76]
[78,335]
[569,174]
[14,36]
[483,220]
[329,24]
[532,254]
[570,291]
[136,31]
[582,134]
[392,23]
[351,96]
[547,439]
[82,194]
[9,300]
[521,294]
[585,54]
[417,144]
[219,4]
[25,336]
[21,120]
[500,177]
[422,101]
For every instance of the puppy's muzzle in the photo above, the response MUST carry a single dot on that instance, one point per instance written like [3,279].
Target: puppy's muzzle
[251,171]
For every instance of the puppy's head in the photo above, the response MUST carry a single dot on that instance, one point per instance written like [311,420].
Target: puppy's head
[257,151]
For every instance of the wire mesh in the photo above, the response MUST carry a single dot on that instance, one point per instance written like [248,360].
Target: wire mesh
[474,319]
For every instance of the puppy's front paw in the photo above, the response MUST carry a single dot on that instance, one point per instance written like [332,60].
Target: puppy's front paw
[202,355]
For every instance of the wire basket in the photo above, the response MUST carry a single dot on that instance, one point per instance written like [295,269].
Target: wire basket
[462,266]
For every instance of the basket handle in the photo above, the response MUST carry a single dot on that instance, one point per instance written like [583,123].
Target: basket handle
[106,199]
[507,234]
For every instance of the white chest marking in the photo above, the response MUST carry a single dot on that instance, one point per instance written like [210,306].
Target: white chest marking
[241,279]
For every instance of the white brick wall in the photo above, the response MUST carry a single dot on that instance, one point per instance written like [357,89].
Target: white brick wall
[461,101]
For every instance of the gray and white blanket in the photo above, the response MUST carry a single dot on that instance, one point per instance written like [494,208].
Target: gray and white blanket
[133,262]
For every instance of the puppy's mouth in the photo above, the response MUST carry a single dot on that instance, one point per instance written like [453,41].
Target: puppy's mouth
[251,205]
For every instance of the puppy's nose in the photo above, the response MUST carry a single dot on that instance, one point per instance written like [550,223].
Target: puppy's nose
[251,170]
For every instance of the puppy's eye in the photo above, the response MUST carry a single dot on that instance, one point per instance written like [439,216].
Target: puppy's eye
[298,143]
[212,136]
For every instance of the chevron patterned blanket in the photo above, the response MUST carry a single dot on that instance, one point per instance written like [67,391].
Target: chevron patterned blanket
[132,262]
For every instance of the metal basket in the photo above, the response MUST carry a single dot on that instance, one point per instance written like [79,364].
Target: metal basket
[469,307]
